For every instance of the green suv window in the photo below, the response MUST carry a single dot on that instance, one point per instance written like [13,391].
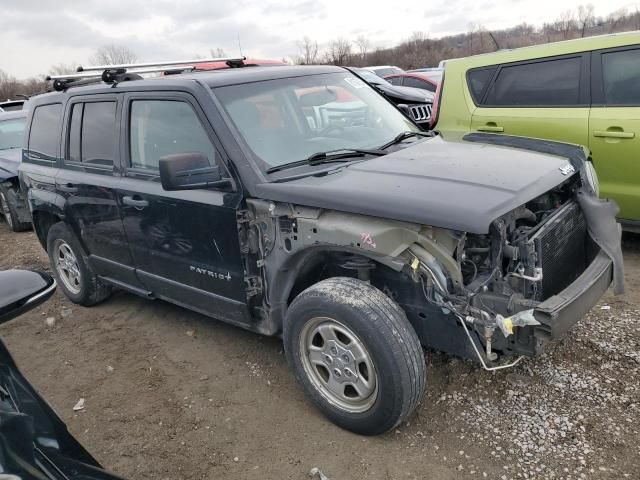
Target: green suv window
[621,75]
[547,83]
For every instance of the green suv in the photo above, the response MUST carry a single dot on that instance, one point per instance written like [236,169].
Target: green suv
[584,91]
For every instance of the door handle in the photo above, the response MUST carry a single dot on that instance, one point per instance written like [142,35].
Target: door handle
[490,128]
[613,134]
[68,188]
[135,202]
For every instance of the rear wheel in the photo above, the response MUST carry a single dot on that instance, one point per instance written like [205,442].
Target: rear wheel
[71,268]
[9,211]
[355,354]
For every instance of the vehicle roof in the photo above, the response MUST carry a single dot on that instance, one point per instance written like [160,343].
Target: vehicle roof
[211,78]
[549,49]
[13,114]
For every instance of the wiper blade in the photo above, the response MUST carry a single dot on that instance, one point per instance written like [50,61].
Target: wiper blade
[403,136]
[341,155]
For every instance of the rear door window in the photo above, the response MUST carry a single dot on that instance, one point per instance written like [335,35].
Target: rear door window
[92,133]
[621,77]
[539,84]
[44,136]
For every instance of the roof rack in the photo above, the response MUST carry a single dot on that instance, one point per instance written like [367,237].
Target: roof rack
[114,74]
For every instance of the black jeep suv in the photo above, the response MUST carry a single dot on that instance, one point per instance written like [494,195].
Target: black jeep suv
[298,201]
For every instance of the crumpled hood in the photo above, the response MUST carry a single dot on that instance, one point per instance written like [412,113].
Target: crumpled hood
[9,163]
[449,184]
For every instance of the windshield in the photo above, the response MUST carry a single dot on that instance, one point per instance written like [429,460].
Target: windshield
[11,133]
[289,119]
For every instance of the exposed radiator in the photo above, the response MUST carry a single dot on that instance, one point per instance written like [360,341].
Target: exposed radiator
[561,247]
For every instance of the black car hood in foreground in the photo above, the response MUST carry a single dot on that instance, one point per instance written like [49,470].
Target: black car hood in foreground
[9,163]
[34,442]
[450,184]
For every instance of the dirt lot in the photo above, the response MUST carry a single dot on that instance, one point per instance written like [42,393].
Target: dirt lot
[171,394]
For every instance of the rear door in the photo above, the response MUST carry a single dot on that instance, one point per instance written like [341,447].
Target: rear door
[614,127]
[87,181]
[547,98]
[185,244]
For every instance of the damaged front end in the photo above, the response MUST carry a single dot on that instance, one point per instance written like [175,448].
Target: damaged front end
[539,270]
[536,272]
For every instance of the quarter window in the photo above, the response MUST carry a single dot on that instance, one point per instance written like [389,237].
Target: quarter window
[547,83]
[165,127]
[44,135]
[478,82]
[621,72]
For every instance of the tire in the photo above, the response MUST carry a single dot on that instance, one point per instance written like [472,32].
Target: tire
[342,324]
[71,268]
[8,211]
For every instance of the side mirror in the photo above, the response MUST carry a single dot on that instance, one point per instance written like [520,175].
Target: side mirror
[22,290]
[189,171]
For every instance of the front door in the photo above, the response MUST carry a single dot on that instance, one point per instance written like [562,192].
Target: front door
[547,98]
[614,128]
[185,244]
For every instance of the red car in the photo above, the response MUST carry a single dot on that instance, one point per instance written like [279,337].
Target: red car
[248,61]
[424,80]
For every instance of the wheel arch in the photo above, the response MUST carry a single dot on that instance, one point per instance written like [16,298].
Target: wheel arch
[43,220]
[300,270]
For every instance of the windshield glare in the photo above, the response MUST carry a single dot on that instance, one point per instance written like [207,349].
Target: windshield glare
[289,119]
[11,133]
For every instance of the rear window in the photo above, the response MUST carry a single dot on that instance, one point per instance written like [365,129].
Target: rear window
[417,83]
[621,72]
[478,81]
[44,136]
[547,83]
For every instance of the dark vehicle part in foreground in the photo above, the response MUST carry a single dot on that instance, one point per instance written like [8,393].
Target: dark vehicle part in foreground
[13,205]
[414,102]
[34,442]
[297,201]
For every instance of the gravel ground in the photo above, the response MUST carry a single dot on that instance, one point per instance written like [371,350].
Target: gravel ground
[172,394]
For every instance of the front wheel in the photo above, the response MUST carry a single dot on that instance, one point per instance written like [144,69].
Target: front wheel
[355,354]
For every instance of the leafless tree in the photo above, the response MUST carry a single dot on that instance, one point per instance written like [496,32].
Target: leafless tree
[566,23]
[339,52]
[586,18]
[308,51]
[217,53]
[113,55]
[11,89]
[363,45]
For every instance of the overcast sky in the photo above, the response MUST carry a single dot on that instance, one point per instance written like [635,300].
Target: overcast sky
[38,33]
